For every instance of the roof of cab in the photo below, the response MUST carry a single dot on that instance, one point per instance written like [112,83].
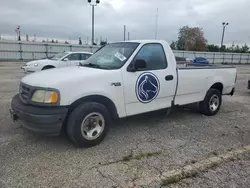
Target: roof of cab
[78,52]
[145,41]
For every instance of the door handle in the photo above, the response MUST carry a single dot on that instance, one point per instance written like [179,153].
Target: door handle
[169,77]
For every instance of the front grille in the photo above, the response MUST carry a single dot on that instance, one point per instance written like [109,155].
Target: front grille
[24,92]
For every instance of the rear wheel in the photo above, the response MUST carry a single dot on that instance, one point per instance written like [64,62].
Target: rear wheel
[212,102]
[88,124]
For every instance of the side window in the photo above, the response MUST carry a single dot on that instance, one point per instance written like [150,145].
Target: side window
[88,56]
[85,56]
[74,57]
[153,55]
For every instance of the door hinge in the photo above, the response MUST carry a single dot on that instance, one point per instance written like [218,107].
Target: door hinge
[116,84]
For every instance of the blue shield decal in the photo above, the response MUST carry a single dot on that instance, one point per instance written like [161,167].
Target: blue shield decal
[147,87]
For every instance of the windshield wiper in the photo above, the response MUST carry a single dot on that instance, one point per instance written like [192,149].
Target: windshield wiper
[91,65]
[94,66]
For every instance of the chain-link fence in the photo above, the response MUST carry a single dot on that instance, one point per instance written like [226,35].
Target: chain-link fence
[25,51]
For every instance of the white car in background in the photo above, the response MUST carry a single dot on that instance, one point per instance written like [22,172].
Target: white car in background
[64,59]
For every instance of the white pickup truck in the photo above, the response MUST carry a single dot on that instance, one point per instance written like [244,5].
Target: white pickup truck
[119,80]
[63,59]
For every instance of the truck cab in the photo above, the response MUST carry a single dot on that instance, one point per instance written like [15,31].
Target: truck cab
[119,80]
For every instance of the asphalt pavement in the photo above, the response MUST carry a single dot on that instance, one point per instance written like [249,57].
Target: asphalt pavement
[136,148]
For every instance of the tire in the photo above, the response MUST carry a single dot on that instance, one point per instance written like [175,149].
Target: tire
[47,67]
[212,102]
[92,114]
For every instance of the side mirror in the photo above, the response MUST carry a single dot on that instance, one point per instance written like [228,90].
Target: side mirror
[138,64]
[66,59]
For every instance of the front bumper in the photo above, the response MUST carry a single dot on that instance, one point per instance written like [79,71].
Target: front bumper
[44,120]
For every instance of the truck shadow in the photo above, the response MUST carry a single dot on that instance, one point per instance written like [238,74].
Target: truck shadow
[120,127]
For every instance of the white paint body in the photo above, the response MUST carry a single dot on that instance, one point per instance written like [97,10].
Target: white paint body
[38,65]
[77,82]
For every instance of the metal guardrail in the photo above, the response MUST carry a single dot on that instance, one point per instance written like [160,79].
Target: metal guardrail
[217,57]
[25,51]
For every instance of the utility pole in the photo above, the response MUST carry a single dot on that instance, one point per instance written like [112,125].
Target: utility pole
[223,32]
[124,32]
[93,18]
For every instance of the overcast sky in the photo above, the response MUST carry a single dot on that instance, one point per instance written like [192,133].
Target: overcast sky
[72,18]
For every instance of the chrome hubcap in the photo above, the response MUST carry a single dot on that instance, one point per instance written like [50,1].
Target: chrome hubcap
[92,126]
[214,103]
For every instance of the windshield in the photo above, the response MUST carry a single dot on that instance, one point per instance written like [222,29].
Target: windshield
[112,56]
[58,56]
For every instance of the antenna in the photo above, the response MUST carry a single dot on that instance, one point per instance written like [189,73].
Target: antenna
[156,24]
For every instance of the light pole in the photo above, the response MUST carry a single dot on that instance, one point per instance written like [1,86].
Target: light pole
[156,23]
[93,4]
[224,24]
[124,32]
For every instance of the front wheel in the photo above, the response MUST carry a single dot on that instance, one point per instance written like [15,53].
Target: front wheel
[212,102]
[88,124]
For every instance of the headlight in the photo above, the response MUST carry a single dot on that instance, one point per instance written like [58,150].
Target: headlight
[43,96]
[32,65]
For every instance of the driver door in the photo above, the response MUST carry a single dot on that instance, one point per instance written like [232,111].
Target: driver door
[151,88]
[64,62]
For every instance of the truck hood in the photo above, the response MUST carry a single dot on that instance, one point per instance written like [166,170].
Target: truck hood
[40,62]
[55,77]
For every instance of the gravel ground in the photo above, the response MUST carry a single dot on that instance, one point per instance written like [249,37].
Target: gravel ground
[135,149]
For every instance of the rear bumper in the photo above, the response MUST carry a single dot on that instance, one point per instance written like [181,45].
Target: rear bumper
[44,120]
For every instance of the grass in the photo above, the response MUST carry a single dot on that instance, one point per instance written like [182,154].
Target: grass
[140,155]
[127,157]
[215,153]
[171,180]
[214,165]
[146,154]
[191,174]
[175,179]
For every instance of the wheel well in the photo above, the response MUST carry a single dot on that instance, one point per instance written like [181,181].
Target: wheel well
[48,67]
[218,86]
[99,99]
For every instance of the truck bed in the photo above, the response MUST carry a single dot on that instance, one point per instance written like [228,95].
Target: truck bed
[194,81]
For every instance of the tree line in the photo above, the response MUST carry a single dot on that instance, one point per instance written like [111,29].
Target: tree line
[193,39]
